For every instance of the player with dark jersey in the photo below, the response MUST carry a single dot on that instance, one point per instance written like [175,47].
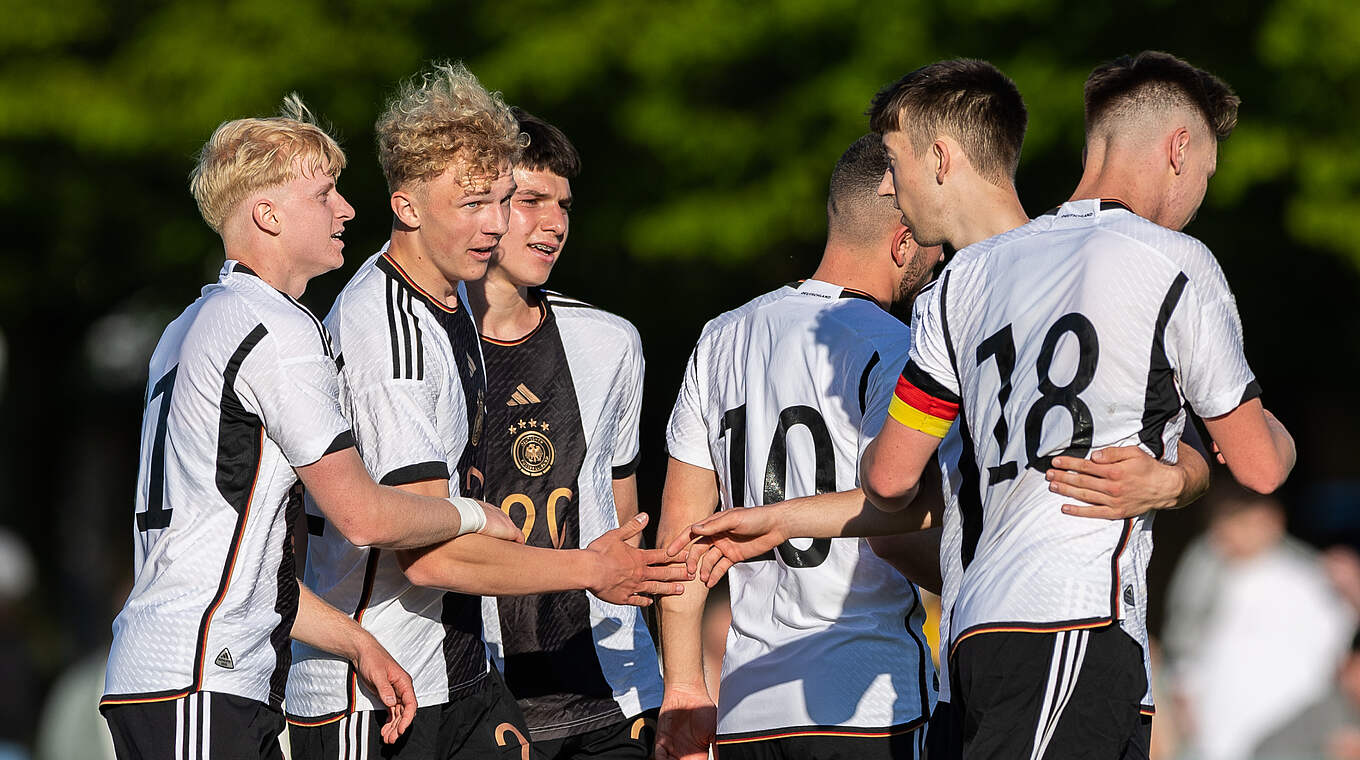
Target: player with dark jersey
[414,386]
[242,403]
[1089,327]
[564,397]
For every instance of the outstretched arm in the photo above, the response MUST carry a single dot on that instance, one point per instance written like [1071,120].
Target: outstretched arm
[322,626]
[368,514]
[687,724]
[609,567]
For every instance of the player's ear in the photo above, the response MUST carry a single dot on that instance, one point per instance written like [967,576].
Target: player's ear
[404,209]
[903,246]
[265,215]
[940,150]
[1177,147]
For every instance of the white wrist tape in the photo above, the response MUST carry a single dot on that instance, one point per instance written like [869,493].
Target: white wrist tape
[470,512]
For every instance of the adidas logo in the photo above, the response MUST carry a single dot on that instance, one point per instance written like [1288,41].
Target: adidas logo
[224,659]
[522,396]
[1128,596]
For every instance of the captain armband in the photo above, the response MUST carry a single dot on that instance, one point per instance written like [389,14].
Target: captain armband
[919,409]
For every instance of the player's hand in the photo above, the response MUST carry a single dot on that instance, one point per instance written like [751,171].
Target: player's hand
[713,545]
[390,682]
[499,525]
[1118,483]
[687,724]
[625,574]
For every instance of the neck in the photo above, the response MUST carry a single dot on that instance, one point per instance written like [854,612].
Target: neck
[842,265]
[1111,175]
[273,269]
[410,253]
[504,310]
[990,210]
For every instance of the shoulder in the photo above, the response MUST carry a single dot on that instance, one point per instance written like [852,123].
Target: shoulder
[239,307]
[865,323]
[362,300]
[603,324]
[717,329]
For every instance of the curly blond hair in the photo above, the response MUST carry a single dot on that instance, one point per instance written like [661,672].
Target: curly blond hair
[441,117]
[247,155]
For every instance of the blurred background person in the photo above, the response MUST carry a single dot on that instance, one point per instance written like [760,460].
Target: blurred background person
[1254,630]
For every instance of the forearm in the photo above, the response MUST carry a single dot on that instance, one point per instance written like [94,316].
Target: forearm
[487,566]
[324,627]
[915,555]
[1194,471]
[626,503]
[846,514]
[690,495]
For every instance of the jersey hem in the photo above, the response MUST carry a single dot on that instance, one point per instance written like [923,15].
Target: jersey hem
[1023,627]
[576,727]
[848,732]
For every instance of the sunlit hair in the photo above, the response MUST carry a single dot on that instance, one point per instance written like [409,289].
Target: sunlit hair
[1153,80]
[968,100]
[247,155]
[548,148]
[442,117]
[853,206]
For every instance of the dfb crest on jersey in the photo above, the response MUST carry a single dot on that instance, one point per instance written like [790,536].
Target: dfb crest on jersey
[532,450]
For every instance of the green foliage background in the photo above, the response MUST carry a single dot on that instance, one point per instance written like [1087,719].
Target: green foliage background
[708,130]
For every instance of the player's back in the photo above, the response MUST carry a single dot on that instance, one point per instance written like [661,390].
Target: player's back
[1086,328]
[824,633]
[242,388]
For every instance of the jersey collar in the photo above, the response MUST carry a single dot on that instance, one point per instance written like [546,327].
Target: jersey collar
[392,269]
[830,290]
[1087,207]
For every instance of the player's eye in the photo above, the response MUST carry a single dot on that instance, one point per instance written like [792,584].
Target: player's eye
[472,205]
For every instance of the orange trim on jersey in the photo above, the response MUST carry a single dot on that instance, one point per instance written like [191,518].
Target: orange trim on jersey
[231,565]
[542,318]
[1118,590]
[848,733]
[146,700]
[315,723]
[1022,628]
[438,303]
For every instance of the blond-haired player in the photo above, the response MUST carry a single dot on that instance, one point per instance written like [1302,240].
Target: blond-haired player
[414,386]
[242,403]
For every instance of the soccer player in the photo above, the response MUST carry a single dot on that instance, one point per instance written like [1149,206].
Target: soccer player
[564,395]
[241,404]
[826,652]
[414,386]
[1090,327]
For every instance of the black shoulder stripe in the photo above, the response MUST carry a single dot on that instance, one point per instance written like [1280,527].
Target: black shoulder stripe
[864,381]
[1161,401]
[403,331]
[320,328]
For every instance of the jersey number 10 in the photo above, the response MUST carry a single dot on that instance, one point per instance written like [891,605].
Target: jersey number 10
[776,471]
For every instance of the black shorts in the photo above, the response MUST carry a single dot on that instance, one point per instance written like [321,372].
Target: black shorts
[482,722]
[201,724]
[905,745]
[944,739]
[630,739]
[1049,695]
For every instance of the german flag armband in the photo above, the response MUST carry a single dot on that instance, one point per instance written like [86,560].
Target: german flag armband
[921,403]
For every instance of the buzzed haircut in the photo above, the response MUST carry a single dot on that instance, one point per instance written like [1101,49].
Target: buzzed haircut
[853,206]
[548,148]
[1153,79]
[966,99]
[441,117]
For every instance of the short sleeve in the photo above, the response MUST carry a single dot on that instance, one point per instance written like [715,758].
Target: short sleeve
[395,419]
[686,433]
[926,396]
[296,388]
[1207,342]
[627,450]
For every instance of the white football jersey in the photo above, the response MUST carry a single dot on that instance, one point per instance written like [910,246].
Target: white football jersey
[1087,328]
[951,540]
[242,389]
[780,398]
[413,385]
[563,405]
